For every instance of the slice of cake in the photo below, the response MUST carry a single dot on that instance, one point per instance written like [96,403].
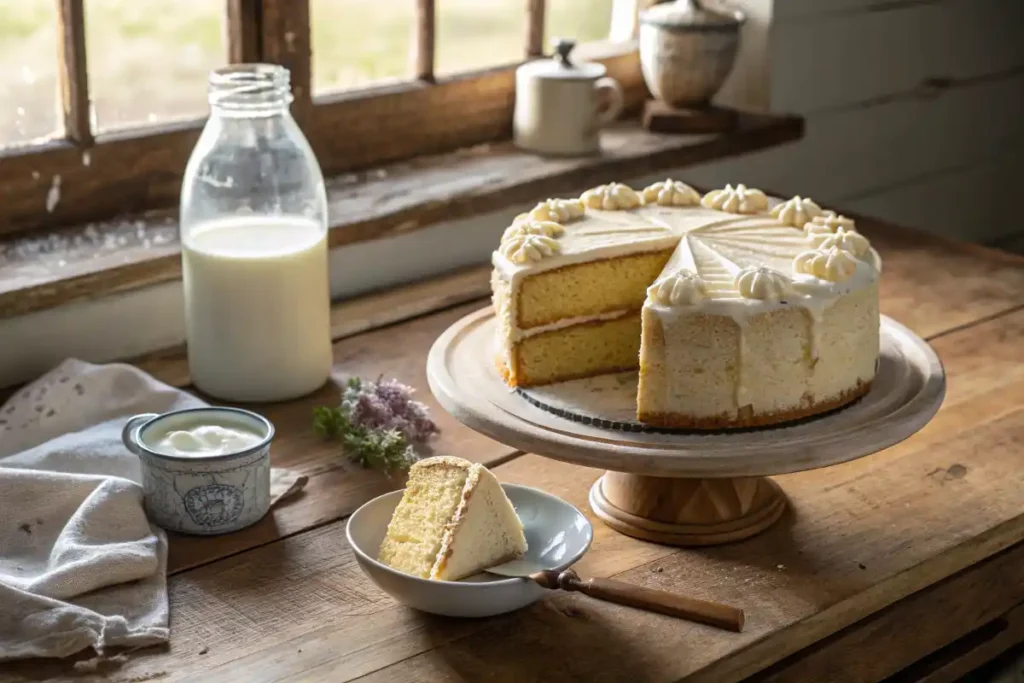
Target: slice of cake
[454,520]
[738,310]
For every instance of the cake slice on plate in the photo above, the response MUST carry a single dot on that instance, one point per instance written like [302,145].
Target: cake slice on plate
[454,520]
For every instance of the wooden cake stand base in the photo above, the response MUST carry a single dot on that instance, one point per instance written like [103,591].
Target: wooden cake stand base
[675,487]
[687,512]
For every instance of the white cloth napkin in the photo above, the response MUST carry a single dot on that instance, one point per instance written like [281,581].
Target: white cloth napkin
[80,565]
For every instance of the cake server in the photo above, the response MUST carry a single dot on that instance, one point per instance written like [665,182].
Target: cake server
[622,593]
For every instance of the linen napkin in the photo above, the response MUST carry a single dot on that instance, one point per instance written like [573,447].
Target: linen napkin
[80,565]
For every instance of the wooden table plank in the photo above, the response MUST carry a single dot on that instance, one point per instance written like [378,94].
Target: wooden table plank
[932,284]
[858,537]
[337,487]
[913,628]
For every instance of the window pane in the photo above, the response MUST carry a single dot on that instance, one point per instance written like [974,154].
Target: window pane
[581,20]
[149,61]
[28,70]
[473,34]
[358,42]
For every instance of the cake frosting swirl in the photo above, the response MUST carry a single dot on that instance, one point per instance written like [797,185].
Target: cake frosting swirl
[681,288]
[796,211]
[529,226]
[833,265]
[847,240]
[611,197]
[739,199]
[763,283]
[558,210]
[829,221]
[670,193]
[524,248]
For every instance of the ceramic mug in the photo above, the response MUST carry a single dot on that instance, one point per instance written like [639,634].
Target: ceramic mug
[205,495]
[561,106]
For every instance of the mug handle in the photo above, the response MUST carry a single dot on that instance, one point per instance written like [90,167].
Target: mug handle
[617,100]
[130,433]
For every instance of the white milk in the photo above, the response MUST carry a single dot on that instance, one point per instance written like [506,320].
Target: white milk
[257,307]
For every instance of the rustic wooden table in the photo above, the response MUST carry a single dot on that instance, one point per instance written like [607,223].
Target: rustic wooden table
[904,563]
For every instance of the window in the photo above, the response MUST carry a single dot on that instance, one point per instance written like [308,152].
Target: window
[109,95]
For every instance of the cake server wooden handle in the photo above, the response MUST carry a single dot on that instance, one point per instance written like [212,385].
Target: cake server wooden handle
[663,602]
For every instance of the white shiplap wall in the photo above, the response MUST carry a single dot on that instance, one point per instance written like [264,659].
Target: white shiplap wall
[914,109]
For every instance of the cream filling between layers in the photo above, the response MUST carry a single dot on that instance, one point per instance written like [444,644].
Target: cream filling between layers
[517,334]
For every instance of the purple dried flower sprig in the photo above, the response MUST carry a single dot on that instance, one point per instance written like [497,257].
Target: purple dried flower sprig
[378,422]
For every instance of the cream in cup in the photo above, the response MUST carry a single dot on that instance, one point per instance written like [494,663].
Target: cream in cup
[205,471]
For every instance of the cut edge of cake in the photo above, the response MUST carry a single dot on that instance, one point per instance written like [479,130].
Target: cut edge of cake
[454,520]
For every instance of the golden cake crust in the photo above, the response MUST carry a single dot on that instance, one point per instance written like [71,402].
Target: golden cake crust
[681,421]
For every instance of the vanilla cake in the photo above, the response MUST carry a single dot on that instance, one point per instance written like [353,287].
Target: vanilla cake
[739,311]
[454,520]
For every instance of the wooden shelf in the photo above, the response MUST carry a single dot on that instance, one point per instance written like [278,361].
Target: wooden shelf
[44,269]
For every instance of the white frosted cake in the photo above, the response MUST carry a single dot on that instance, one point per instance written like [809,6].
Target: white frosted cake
[737,312]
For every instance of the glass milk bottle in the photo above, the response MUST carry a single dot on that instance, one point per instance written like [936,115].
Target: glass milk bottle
[254,245]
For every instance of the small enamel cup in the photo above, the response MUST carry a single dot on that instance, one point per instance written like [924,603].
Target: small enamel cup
[559,109]
[205,495]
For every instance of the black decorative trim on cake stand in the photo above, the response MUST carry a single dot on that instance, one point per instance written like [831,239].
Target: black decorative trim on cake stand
[639,427]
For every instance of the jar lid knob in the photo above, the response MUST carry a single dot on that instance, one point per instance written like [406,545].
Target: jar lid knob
[563,46]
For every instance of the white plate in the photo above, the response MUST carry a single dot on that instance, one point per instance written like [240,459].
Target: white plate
[556,532]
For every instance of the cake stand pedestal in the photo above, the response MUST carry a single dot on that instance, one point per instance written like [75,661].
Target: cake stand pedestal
[683,488]
[687,511]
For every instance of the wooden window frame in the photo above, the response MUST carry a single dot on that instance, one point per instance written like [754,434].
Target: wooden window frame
[85,176]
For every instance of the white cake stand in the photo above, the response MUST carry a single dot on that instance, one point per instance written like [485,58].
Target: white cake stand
[678,488]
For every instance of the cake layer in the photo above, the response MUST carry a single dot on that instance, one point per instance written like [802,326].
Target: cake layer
[704,370]
[612,284]
[581,350]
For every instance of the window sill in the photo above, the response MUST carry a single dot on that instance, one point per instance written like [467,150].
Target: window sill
[44,270]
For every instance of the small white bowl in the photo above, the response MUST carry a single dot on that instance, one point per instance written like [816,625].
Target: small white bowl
[557,535]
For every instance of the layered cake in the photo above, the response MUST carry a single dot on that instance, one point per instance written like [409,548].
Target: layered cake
[454,520]
[738,310]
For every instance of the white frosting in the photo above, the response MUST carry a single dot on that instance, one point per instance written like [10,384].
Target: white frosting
[796,211]
[558,210]
[714,245]
[829,221]
[739,199]
[205,440]
[528,226]
[763,283]
[681,288]
[519,334]
[833,265]
[611,197]
[847,240]
[670,193]
[523,248]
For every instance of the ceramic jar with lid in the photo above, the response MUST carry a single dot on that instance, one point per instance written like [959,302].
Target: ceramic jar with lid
[687,50]
[561,105]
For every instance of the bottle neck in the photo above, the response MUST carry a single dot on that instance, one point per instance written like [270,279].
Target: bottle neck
[250,91]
